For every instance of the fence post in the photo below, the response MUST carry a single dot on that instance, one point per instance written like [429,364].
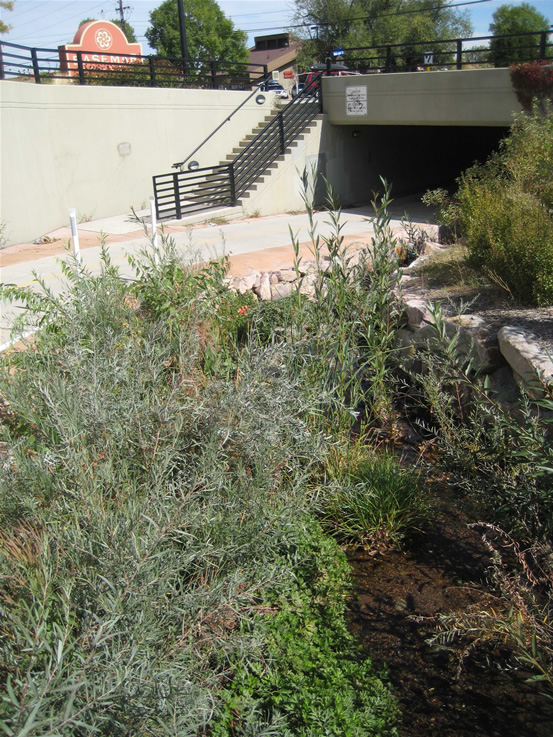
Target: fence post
[176,192]
[214,74]
[36,70]
[75,235]
[459,54]
[155,243]
[232,184]
[2,72]
[543,44]
[152,66]
[388,67]
[82,79]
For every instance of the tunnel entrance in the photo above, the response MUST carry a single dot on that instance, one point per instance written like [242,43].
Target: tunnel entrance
[412,158]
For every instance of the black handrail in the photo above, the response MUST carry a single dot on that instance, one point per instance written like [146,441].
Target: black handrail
[43,64]
[272,141]
[266,77]
[188,192]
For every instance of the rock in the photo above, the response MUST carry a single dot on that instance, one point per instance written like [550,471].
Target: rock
[273,278]
[405,351]
[263,291]
[287,275]
[468,345]
[416,311]
[308,290]
[244,284]
[281,290]
[523,354]
[504,385]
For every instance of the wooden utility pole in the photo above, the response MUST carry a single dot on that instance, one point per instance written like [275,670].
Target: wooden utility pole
[121,10]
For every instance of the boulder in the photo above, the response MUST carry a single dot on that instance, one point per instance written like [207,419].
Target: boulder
[282,289]
[529,363]
[287,275]
[416,311]
[263,291]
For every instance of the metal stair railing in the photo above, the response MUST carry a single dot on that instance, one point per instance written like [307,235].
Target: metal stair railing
[188,192]
[273,140]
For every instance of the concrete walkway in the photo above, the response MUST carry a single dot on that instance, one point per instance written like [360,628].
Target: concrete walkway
[260,244]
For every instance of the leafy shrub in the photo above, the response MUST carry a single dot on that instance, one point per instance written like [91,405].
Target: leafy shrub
[448,213]
[533,84]
[159,548]
[343,335]
[507,211]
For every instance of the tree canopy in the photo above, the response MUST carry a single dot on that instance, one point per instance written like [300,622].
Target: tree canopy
[6,5]
[349,24]
[209,33]
[516,19]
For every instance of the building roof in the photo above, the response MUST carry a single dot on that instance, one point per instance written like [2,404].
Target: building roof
[274,58]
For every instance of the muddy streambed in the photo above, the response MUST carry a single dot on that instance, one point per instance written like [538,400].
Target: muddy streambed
[440,570]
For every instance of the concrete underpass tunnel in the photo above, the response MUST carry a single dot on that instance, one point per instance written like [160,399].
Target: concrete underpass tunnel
[412,158]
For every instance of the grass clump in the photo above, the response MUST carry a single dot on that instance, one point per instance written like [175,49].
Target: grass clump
[375,501]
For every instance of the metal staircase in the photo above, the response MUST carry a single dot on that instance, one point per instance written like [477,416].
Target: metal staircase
[183,193]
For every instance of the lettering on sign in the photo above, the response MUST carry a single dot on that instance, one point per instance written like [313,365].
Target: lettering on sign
[356,100]
[102,45]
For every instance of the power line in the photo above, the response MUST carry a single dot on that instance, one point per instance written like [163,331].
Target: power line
[371,17]
[45,28]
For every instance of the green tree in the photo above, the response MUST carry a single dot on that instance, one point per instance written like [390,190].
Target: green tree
[350,24]
[4,28]
[128,30]
[516,19]
[209,33]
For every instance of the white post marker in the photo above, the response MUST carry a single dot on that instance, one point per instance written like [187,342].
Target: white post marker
[154,229]
[75,234]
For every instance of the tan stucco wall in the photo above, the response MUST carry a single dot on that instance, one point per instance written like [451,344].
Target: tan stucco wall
[475,97]
[59,147]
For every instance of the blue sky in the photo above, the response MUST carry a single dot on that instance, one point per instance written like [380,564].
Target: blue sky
[50,23]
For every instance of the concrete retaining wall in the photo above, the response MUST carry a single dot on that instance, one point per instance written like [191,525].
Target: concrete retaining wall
[471,97]
[97,148]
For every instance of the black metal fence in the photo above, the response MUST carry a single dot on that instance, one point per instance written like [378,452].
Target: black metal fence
[187,192]
[43,66]
[457,53]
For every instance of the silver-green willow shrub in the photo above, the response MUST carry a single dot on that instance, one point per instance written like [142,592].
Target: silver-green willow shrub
[155,521]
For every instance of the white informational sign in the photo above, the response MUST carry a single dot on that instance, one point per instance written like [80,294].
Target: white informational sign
[428,57]
[356,100]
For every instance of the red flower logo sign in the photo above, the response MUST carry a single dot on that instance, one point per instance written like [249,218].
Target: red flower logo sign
[103,39]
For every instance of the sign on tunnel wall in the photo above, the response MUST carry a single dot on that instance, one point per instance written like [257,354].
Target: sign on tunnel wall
[356,100]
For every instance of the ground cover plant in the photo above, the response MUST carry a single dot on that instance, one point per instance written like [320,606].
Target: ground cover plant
[163,568]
